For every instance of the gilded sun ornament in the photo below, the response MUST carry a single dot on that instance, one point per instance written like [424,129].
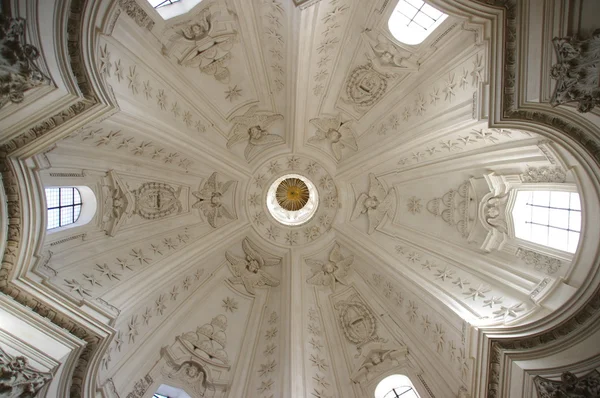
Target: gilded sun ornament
[292,194]
[292,199]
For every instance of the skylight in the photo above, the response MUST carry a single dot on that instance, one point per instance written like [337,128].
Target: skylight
[413,20]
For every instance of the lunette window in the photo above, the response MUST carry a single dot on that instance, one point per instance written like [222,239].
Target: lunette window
[396,386]
[64,206]
[162,3]
[413,20]
[549,218]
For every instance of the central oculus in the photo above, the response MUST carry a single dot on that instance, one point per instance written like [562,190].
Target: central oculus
[292,199]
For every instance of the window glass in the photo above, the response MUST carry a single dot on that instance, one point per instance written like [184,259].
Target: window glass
[413,20]
[396,386]
[549,218]
[64,206]
[161,3]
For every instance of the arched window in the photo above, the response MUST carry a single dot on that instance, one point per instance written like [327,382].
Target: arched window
[166,391]
[168,9]
[64,206]
[396,386]
[413,20]
[162,3]
[69,206]
[549,218]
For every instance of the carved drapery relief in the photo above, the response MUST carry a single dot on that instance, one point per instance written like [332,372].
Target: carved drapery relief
[576,72]
[454,207]
[248,271]
[495,213]
[541,262]
[154,200]
[18,71]
[332,271]
[569,386]
[252,127]
[18,379]
[544,174]
[357,322]
[211,200]
[365,86]
[376,204]
[205,43]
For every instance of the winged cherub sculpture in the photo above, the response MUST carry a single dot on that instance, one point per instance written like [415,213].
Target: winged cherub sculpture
[248,271]
[337,133]
[210,200]
[376,204]
[335,270]
[252,126]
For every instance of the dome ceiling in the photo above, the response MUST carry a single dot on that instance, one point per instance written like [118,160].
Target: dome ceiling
[394,250]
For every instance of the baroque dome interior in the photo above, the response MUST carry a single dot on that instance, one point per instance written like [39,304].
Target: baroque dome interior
[285,198]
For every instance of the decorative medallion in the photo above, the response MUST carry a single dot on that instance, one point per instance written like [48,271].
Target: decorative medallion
[357,321]
[366,86]
[291,200]
[155,200]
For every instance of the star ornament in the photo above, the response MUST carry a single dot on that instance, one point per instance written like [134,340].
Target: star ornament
[338,134]
[335,270]
[252,127]
[210,200]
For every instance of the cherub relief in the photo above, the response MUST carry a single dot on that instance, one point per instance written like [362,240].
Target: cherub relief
[335,270]
[248,271]
[252,126]
[376,204]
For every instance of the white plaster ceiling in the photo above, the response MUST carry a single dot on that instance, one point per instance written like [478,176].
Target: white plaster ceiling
[416,133]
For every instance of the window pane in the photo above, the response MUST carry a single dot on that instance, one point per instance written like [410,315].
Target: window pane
[539,234]
[575,204]
[416,3]
[66,215]
[407,10]
[77,212]
[559,218]
[423,20]
[66,196]
[575,221]
[560,199]
[539,215]
[432,12]
[541,198]
[77,199]
[557,238]
[52,197]
[53,218]
[573,242]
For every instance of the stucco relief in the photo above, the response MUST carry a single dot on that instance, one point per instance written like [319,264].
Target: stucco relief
[248,270]
[331,272]
[18,378]
[253,127]
[212,200]
[376,204]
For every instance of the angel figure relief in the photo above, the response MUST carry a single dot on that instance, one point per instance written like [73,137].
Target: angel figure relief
[248,270]
[387,55]
[205,49]
[338,134]
[335,270]
[210,200]
[377,203]
[252,126]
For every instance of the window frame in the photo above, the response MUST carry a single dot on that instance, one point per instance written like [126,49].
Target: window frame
[428,37]
[88,207]
[529,245]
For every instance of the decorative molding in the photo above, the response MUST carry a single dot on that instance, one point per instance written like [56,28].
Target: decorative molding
[541,262]
[18,379]
[19,72]
[544,174]
[137,13]
[70,238]
[569,385]
[376,204]
[248,271]
[576,72]
[140,387]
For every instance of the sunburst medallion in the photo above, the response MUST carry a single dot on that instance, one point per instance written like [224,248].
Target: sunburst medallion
[292,194]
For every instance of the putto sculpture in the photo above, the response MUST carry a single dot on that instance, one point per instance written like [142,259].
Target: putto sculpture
[376,204]
[249,270]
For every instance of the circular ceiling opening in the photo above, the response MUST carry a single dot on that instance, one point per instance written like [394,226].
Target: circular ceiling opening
[292,199]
